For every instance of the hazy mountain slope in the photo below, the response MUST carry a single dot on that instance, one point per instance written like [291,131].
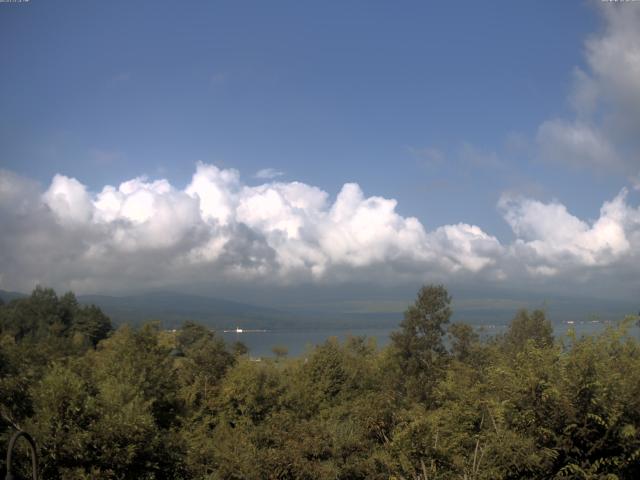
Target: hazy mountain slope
[8,296]
[172,309]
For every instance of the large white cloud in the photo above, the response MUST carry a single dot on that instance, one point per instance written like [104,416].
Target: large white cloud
[145,234]
[551,240]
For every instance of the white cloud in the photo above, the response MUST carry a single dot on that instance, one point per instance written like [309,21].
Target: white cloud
[268,174]
[146,215]
[614,59]
[69,200]
[605,96]
[217,230]
[584,94]
[466,247]
[216,189]
[550,239]
[576,143]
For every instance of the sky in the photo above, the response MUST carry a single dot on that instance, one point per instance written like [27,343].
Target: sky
[270,150]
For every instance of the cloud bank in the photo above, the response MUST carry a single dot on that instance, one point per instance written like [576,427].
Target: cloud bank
[147,234]
[218,230]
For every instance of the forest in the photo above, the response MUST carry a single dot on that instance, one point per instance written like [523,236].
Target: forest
[438,402]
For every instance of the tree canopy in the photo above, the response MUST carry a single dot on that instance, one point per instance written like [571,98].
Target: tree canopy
[147,403]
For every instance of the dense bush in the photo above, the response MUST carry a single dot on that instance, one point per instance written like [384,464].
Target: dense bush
[149,404]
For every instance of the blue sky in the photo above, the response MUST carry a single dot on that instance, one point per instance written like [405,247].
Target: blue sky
[440,106]
[325,93]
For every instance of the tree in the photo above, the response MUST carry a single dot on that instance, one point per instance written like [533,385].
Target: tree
[419,348]
[462,340]
[136,390]
[325,371]
[45,316]
[525,327]
[37,316]
[239,349]
[64,413]
[91,323]
[206,360]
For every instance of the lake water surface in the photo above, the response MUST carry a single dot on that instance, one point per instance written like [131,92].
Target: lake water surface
[297,341]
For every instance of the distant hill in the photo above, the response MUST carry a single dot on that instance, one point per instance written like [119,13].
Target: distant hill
[173,309]
[559,309]
[8,296]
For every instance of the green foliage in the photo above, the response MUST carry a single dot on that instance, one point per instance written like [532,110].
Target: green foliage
[35,333]
[91,324]
[526,326]
[206,360]
[419,346]
[64,413]
[150,404]
[463,341]
[45,316]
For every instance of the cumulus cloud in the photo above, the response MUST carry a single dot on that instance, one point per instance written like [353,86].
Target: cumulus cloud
[69,200]
[552,240]
[217,230]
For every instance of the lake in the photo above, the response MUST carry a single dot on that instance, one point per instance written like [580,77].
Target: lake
[297,341]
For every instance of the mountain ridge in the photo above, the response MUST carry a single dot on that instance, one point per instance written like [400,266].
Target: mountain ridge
[172,309]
